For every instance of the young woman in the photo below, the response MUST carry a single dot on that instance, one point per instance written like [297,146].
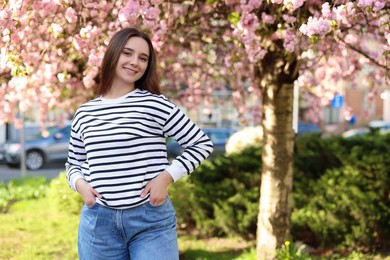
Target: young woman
[118,159]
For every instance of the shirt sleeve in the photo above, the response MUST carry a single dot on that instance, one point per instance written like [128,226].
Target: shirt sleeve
[197,144]
[76,157]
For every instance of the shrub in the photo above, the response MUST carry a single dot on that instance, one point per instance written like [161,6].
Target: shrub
[64,197]
[290,251]
[21,189]
[348,204]
[340,192]
[223,195]
[186,204]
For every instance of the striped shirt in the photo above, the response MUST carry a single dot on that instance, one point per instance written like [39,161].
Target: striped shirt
[118,145]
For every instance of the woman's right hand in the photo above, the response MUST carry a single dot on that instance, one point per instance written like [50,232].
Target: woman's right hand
[86,191]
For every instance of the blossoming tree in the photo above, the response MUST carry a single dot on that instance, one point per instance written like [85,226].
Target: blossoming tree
[51,50]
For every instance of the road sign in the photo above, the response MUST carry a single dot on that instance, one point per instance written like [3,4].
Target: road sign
[337,101]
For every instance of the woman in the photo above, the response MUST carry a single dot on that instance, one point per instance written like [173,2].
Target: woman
[118,160]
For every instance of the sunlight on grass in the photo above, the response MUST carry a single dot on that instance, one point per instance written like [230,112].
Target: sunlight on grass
[37,229]
[34,229]
[215,249]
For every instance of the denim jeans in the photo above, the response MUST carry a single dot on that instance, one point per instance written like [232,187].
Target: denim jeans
[141,233]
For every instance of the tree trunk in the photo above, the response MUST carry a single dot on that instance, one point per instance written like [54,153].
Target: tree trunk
[273,223]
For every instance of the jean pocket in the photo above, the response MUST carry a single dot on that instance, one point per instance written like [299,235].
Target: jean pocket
[92,206]
[159,206]
[164,212]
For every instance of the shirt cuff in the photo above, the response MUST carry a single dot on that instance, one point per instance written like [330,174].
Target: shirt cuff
[74,179]
[176,170]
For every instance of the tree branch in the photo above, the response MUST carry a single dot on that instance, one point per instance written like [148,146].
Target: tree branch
[364,54]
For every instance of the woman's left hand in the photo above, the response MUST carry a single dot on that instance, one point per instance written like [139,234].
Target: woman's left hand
[158,188]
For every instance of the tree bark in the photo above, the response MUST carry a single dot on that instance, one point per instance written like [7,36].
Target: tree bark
[276,180]
[276,76]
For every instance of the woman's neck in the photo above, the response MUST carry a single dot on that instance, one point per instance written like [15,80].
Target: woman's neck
[118,92]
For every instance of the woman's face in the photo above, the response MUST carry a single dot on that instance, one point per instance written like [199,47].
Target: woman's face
[132,62]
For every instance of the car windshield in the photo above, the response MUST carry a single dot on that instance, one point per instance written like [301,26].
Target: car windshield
[50,131]
[218,135]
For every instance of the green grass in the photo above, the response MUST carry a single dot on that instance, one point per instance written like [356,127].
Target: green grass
[35,229]
[38,229]
[214,249]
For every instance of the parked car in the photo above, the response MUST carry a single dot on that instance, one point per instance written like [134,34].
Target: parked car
[306,128]
[218,136]
[355,132]
[2,159]
[373,127]
[39,151]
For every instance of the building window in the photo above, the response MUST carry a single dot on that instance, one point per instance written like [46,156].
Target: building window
[331,115]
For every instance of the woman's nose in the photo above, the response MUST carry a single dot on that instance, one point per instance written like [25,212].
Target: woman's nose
[133,59]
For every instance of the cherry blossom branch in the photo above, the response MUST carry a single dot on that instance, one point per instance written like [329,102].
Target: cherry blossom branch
[363,53]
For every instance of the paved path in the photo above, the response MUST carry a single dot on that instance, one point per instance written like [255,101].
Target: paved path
[50,171]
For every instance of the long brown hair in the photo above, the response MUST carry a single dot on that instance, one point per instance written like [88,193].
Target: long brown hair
[149,81]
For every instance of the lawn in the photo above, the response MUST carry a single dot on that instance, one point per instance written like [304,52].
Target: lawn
[36,229]
[41,228]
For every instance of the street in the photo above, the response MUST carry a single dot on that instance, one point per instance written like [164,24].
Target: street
[50,171]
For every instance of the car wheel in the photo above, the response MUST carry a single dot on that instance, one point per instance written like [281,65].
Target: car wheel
[34,160]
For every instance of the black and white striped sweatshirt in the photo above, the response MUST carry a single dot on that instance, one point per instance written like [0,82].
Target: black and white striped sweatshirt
[118,145]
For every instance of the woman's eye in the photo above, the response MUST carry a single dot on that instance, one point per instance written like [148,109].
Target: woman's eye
[144,59]
[127,53]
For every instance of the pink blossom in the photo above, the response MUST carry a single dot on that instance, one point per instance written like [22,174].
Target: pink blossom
[92,5]
[129,12]
[227,61]
[277,1]
[47,8]
[156,2]
[276,36]
[289,18]
[57,29]
[266,18]
[250,5]
[90,31]
[290,40]
[350,8]
[78,43]
[231,2]
[6,35]
[248,38]
[249,21]
[5,15]
[315,26]
[293,4]
[255,54]
[94,59]
[238,66]
[148,23]
[15,4]
[341,13]
[379,5]
[15,38]
[327,12]
[152,13]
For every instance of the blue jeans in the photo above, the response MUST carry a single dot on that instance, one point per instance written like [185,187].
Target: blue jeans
[141,233]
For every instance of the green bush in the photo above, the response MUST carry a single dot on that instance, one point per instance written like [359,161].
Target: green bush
[221,196]
[340,193]
[21,189]
[290,251]
[346,205]
[63,196]
[186,204]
